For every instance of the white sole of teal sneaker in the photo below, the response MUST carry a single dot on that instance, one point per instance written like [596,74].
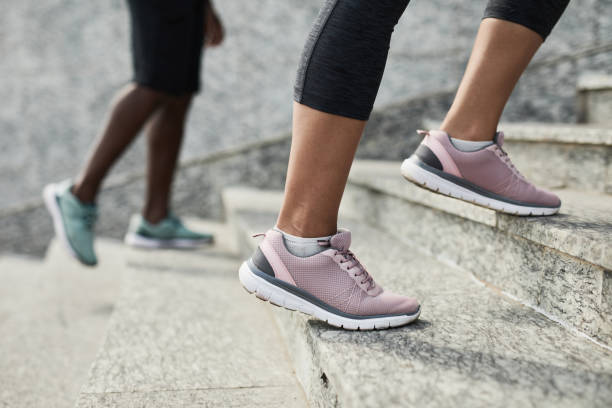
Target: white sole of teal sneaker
[140,241]
[278,296]
[50,199]
[420,176]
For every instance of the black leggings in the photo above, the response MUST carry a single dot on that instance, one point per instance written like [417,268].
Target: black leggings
[346,52]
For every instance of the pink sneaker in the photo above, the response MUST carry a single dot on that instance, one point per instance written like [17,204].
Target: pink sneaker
[332,286]
[485,177]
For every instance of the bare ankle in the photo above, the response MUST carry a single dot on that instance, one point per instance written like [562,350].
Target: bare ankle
[84,193]
[469,135]
[154,215]
[474,132]
[307,229]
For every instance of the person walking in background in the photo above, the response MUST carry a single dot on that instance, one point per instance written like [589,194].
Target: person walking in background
[167,40]
[305,263]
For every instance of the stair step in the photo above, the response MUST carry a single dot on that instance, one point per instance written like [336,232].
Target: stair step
[560,155]
[20,276]
[53,315]
[539,259]
[184,334]
[472,346]
[595,98]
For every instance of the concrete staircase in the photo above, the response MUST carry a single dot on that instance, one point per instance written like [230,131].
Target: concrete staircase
[144,329]
[539,260]
[517,311]
[476,344]
[53,317]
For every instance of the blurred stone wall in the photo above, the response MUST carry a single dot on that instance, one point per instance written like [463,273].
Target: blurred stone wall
[62,61]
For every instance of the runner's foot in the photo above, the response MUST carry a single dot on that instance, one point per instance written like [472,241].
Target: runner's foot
[485,177]
[73,221]
[168,233]
[332,285]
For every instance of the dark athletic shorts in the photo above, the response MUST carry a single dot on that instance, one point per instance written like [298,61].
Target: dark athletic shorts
[167,40]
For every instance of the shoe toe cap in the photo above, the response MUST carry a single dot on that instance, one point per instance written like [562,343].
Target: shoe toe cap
[84,251]
[547,198]
[397,304]
[408,306]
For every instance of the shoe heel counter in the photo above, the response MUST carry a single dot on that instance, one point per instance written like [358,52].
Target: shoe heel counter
[427,156]
[261,262]
[438,143]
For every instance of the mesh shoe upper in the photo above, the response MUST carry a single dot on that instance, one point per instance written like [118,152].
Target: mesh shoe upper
[489,168]
[78,219]
[336,277]
[169,228]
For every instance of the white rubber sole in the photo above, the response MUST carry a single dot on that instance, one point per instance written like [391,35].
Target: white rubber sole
[266,291]
[139,241]
[423,178]
[50,199]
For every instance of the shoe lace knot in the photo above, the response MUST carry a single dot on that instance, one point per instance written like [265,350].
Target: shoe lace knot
[349,258]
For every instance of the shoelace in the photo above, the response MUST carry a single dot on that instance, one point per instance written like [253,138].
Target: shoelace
[349,256]
[504,156]
[89,219]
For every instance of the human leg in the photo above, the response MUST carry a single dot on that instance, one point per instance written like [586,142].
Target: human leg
[508,37]
[165,135]
[132,108]
[341,69]
[477,171]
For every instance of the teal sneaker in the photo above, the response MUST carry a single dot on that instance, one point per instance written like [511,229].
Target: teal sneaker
[73,221]
[168,233]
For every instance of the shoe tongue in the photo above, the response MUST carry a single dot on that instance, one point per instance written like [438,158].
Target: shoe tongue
[342,240]
[499,139]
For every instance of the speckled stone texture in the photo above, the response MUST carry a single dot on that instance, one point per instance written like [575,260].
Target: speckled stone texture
[539,260]
[185,335]
[53,315]
[595,135]
[64,59]
[275,397]
[64,72]
[595,98]
[582,228]
[471,346]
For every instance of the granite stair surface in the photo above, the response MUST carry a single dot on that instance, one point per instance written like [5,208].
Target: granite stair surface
[53,317]
[516,310]
[143,329]
[184,333]
[473,345]
[595,98]
[560,264]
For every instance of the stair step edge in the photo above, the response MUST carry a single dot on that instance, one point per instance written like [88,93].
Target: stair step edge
[581,230]
[562,133]
[332,354]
